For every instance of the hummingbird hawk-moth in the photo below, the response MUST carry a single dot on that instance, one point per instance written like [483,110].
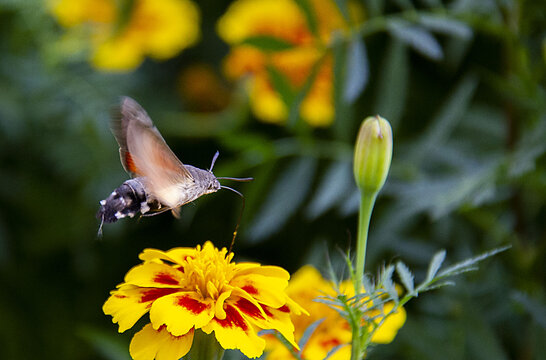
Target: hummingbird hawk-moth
[159,180]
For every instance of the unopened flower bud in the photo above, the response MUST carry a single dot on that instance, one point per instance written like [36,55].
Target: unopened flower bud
[373,153]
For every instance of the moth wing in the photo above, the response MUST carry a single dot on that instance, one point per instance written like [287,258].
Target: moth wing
[144,152]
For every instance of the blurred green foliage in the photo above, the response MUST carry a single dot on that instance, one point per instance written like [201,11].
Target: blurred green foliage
[462,83]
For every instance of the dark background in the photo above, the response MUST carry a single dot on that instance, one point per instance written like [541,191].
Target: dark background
[468,174]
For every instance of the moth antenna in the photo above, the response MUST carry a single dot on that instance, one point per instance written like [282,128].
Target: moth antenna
[238,219]
[235,179]
[214,160]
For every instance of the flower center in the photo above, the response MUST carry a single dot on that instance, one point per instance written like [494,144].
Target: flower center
[209,271]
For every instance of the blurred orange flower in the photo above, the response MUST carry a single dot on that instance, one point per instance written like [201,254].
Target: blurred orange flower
[119,41]
[283,20]
[305,286]
[202,89]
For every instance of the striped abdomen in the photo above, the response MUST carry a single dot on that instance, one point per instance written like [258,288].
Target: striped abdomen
[127,201]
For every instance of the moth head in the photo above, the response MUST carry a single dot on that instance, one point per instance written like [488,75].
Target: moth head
[213,186]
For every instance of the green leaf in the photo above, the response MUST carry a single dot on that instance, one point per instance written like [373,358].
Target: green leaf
[332,188]
[532,306]
[417,37]
[343,9]
[405,276]
[342,127]
[334,350]
[282,85]
[309,13]
[434,266]
[357,70]
[392,86]
[300,95]
[447,118]
[108,345]
[284,198]
[268,43]
[469,264]
[309,331]
[445,25]
[388,284]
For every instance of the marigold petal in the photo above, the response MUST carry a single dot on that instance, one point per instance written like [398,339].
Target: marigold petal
[388,330]
[280,320]
[265,289]
[176,255]
[154,275]
[236,332]
[220,313]
[180,312]
[129,303]
[150,344]
[266,270]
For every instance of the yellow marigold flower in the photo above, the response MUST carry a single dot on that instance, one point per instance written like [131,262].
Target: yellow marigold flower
[284,20]
[186,289]
[156,28]
[75,12]
[306,285]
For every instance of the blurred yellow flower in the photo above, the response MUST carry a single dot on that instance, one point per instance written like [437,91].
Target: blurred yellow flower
[282,19]
[119,42]
[305,286]
[201,289]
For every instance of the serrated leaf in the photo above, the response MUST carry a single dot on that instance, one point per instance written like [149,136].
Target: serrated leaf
[438,285]
[468,264]
[357,70]
[284,199]
[405,276]
[418,38]
[268,43]
[444,25]
[309,332]
[435,263]
[388,284]
[368,284]
[334,350]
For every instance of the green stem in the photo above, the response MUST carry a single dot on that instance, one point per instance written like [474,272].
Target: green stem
[204,347]
[367,201]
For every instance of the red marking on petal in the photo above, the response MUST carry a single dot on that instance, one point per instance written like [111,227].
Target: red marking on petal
[266,310]
[330,343]
[164,278]
[248,308]
[120,296]
[250,289]
[233,319]
[284,309]
[155,293]
[191,304]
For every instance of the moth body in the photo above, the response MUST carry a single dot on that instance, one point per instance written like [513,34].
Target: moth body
[160,181]
[128,200]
